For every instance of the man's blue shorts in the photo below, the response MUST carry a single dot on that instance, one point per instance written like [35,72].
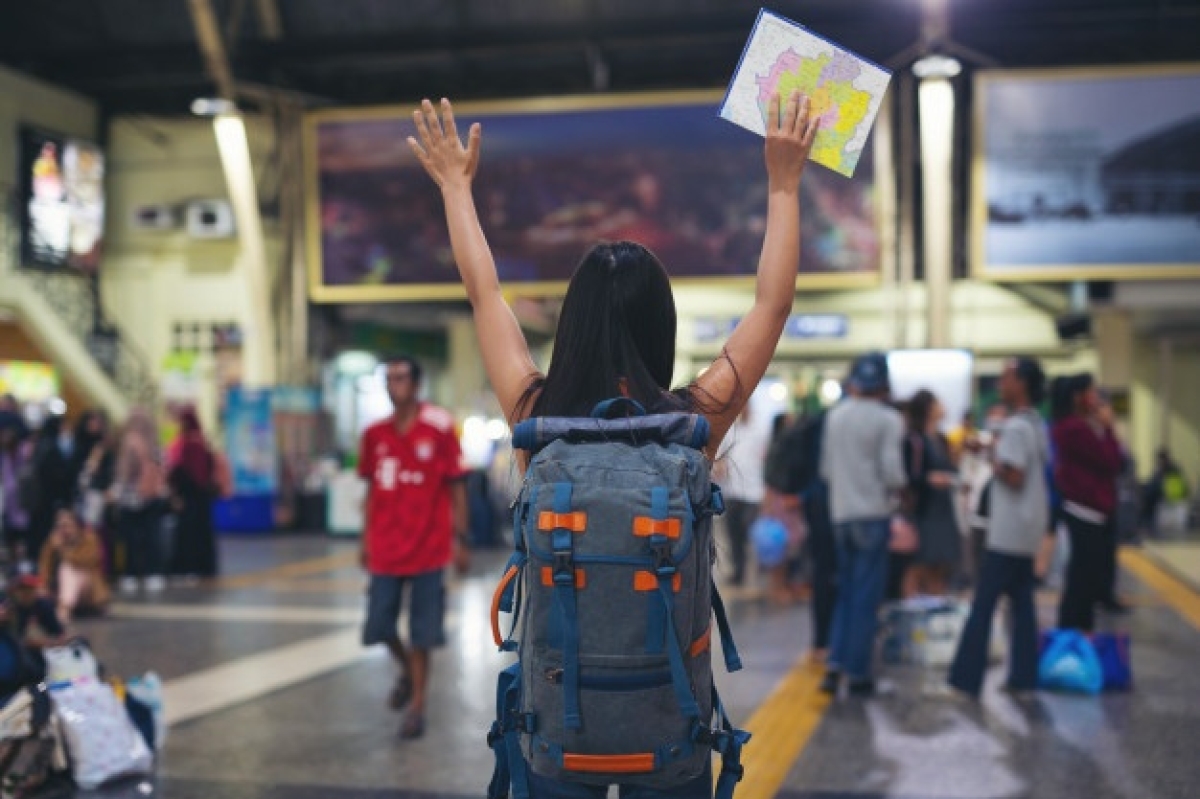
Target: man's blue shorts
[427,608]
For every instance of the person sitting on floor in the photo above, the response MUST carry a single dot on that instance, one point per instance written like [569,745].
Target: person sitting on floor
[30,617]
[72,564]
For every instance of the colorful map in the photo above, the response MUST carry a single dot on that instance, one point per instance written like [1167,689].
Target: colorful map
[843,89]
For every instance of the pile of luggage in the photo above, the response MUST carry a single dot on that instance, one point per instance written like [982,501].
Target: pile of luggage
[75,723]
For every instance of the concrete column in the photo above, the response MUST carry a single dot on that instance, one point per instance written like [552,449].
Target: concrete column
[936,99]
[885,185]
[467,377]
[1112,331]
[1166,355]
[906,216]
[259,346]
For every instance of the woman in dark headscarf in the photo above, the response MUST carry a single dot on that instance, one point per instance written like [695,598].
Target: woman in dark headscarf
[54,490]
[194,487]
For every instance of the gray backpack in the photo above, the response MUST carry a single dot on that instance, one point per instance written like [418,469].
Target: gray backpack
[610,587]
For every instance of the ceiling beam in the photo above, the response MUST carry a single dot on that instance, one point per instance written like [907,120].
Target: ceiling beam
[212,46]
[269,20]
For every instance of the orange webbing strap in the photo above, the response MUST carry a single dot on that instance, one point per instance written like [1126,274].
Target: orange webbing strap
[702,643]
[508,577]
[548,577]
[644,527]
[575,522]
[648,581]
[642,763]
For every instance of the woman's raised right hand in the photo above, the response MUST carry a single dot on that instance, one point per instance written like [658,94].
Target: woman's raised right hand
[791,129]
[440,150]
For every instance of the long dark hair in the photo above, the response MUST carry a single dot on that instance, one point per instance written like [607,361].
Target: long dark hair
[1065,391]
[919,409]
[617,323]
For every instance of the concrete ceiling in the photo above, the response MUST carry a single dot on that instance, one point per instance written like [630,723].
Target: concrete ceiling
[142,56]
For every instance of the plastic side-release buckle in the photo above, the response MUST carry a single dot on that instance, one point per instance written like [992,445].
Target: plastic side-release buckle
[716,504]
[564,568]
[664,564]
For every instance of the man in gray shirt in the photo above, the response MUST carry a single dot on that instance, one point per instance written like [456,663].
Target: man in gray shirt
[1018,517]
[862,462]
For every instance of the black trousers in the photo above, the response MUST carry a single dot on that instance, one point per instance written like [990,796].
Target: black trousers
[739,515]
[999,575]
[138,529]
[1090,572]
[822,550]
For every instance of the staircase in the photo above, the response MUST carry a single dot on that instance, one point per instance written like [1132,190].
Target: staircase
[62,313]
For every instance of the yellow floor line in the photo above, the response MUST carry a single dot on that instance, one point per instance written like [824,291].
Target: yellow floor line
[782,726]
[1175,592]
[289,570]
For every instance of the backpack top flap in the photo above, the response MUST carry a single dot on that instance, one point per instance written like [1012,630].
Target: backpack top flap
[686,429]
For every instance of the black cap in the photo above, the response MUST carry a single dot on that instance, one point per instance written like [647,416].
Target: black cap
[869,374]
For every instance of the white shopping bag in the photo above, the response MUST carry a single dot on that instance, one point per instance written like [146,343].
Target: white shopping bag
[102,741]
[70,662]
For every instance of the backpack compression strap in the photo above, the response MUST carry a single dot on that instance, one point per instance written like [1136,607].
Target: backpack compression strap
[727,741]
[504,738]
[665,570]
[563,572]
[733,661]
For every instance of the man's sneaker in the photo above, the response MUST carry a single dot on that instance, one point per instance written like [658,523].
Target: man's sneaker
[155,583]
[1017,692]
[401,693]
[129,585]
[413,726]
[831,682]
[1114,606]
[862,687]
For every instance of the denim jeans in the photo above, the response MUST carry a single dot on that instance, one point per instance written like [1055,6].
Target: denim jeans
[546,788]
[862,554]
[1011,575]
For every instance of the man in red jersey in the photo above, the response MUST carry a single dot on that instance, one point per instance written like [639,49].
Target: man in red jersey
[415,525]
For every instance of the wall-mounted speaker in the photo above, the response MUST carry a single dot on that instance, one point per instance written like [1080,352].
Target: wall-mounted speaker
[154,217]
[1073,326]
[210,219]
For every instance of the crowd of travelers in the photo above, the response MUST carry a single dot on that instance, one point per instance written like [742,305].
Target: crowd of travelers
[885,501]
[88,506]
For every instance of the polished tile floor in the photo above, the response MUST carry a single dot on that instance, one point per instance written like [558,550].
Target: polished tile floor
[271,697]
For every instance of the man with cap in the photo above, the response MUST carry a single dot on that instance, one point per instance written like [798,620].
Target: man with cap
[28,624]
[862,462]
[30,615]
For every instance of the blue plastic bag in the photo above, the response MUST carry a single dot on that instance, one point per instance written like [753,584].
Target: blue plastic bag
[770,539]
[1113,651]
[1070,664]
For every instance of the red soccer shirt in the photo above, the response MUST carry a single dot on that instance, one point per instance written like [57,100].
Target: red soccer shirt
[409,528]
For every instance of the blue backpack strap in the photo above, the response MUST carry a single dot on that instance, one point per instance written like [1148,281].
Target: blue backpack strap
[508,599]
[504,739]
[657,616]
[716,503]
[665,570]
[679,675]
[631,406]
[563,571]
[728,742]
[733,661]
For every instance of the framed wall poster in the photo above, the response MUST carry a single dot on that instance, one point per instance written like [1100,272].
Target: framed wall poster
[1089,174]
[556,176]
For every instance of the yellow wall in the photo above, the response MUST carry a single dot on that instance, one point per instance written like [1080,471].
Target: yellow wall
[984,318]
[26,101]
[1181,431]
[30,101]
[156,279]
